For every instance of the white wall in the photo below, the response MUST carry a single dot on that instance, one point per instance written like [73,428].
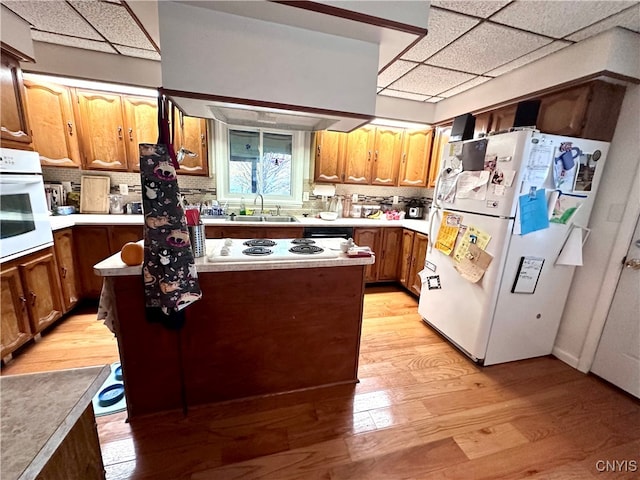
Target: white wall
[590,281]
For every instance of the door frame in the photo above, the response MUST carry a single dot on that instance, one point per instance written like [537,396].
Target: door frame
[611,276]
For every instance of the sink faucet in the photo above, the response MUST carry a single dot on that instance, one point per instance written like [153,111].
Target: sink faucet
[261,202]
[278,210]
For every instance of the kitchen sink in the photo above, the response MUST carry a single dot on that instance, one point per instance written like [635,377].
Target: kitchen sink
[263,218]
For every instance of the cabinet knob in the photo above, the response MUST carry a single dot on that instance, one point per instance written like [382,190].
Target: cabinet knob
[202,139]
[70,127]
[33,298]
[375,159]
[404,157]
[120,133]
[369,156]
[22,299]
[131,134]
[64,272]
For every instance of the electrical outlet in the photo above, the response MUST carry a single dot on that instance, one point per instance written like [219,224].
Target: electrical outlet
[124,189]
[305,196]
[354,198]
[395,199]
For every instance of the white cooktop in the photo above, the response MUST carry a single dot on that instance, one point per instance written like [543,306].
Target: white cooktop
[231,250]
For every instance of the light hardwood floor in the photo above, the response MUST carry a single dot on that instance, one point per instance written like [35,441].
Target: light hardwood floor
[421,411]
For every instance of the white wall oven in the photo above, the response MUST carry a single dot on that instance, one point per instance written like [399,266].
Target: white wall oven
[24,216]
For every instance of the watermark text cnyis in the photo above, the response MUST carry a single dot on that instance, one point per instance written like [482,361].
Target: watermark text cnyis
[616,466]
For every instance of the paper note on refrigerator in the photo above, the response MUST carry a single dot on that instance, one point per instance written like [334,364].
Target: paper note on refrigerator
[537,168]
[448,232]
[533,212]
[565,207]
[473,235]
[571,253]
[474,264]
[473,185]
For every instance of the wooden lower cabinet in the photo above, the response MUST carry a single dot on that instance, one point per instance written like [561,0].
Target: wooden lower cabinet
[14,328]
[385,242]
[414,253]
[369,237]
[67,267]
[213,231]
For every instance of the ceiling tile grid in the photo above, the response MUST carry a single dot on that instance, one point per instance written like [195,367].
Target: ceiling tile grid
[429,80]
[529,57]
[474,82]
[444,27]
[394,71]
[406,95]
[475,8]
[629,19]
[557,19]
[83,43]
[486,47]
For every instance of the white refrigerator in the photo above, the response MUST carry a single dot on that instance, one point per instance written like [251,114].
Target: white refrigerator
[513,312]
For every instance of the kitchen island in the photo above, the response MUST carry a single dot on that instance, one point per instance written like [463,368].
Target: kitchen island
[262,328]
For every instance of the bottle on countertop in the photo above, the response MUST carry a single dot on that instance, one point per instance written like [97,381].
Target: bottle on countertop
[243,208]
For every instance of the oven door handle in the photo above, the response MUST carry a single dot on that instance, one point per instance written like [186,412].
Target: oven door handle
[8,179]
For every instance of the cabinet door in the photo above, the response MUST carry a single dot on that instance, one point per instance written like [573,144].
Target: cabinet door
[15,329]
[284,232]
[329,156]
[482,125]
[386,156]
[406,257]
[244,232]
[141,114]
[53,128]
[359,156]
[103,130]
[419,254]
[13,118]
[42,288]
[390,254]
[369,237]
[67,268]
[124,234]
[192,135]
[440,142]
[416,150]
[502,119]
[563,113]
[92,246]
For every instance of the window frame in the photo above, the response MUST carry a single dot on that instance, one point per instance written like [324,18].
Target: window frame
[299,154]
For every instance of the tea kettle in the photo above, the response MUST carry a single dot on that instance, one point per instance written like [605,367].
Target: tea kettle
[116,204]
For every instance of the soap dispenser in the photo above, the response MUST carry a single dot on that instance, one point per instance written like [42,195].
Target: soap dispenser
[243,208]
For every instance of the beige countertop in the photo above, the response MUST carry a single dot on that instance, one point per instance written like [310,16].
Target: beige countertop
[38,411]
[113,266]
[64,221]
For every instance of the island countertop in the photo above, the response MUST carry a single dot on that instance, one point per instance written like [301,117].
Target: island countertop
[38,411]
[113,266]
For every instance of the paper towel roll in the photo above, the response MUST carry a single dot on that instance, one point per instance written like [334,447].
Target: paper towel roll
[324,190]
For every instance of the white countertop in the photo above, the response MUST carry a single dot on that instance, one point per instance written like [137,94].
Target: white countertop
[63,221]
[115,267]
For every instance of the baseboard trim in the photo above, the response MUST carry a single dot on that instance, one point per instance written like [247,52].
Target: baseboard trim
[566,357]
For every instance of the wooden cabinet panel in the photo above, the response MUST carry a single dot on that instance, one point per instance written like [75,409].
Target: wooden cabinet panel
[192,135]
[359,155]
[42,290]
[67,267]
[482,125]
[283,232]
[440,142]
[103,130]
[419,254]
[386,156]
[416,150]
[502,119]
[406,257]
[141,114]
[329,154]
[563,113]
[14,125]
[53,126]
[390,254]
[369,237]
[92,246]
[15,329]
[244,232]
[121,234]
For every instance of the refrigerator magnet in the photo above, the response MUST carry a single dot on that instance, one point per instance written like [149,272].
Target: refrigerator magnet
[433,282]
[430,266]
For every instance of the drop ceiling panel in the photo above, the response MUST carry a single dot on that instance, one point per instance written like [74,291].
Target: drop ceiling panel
[393,72]
[557,19]
[629,18]
[55,17]
[114,23]
[476,8]
[406,95]
[530,57]
[138,52]
[434,99]
[487,47]
[72,42]
[444,28]
[428,80]
[465,86]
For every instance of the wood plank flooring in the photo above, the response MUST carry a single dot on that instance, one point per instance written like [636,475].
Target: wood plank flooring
[421,411]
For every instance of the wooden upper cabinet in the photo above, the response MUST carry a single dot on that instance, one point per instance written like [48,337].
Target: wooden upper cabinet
[386,156]
[328,148]
[53,126]
[482,125]
[439,143]
[103,130]
[191,134]
[502,119]
[14,328]
[141,115]
[416,151]
[563,113]
[359,156]
[42,290]
[13,117]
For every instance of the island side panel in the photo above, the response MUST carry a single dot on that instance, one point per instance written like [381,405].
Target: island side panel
[272,331]
[149,353]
